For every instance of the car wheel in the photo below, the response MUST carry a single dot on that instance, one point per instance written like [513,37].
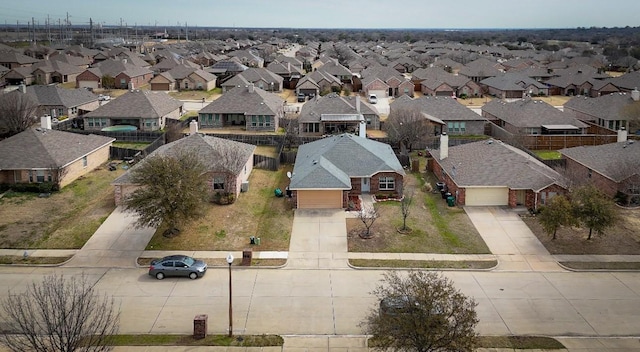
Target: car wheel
[159,276]
[193,276]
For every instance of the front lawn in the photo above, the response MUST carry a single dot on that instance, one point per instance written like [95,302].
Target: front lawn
[255,213]
[435,227]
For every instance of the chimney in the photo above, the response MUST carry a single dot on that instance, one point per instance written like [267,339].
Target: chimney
[193,127]
[635,94]
[622,135]
[362,130]
[289,66]
[358,103]
[45,122]
[444,146]
[250,88]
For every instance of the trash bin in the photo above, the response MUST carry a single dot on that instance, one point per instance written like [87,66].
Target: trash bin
[200,326]
[246,257]
[258,241]
[252,240]
[451,201]
[446,195]
[440,186]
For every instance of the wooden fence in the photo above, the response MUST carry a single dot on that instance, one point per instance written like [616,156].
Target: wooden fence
[550,142]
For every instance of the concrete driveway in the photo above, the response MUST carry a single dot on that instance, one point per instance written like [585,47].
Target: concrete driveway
[116,244]
[318,239]
[511,240]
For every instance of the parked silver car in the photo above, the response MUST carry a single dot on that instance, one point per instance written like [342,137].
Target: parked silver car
[177,265]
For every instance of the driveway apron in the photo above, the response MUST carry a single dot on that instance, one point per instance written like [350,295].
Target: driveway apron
[116,244]
[511,240]
[318,239]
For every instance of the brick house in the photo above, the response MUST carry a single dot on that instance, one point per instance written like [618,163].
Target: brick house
[513,179]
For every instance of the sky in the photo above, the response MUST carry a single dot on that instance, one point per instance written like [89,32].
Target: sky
[449,14]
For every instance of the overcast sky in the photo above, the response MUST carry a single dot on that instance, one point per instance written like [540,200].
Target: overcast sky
[332,13]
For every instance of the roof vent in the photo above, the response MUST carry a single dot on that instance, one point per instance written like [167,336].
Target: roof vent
[314,162]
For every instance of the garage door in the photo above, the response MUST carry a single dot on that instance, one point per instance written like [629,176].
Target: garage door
[380,93]
[88,84]
[319,199]
[487,196]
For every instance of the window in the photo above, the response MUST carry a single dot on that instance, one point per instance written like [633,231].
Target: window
[84,161]
[30,176]
[218,182]
[97,122]
[60,112]
[589,173]
[74,110]
[40,176]
[387,183]
[311,127]
[260,121]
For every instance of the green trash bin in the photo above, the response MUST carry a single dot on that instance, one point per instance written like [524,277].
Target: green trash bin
[451,201]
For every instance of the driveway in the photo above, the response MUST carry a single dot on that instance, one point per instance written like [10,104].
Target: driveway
[511,240]
[318,239]
[116,244]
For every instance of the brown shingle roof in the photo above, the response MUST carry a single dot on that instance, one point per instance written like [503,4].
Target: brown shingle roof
[138,104]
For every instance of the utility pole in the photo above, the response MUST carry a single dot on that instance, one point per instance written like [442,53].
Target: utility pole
[91,36]
[68,31]
[48,30]
[186,31]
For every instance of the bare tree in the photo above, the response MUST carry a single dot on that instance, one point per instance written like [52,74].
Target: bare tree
[368,216]
[59,314]
[17,113]
[231,162]
[172,190]
[405,208]
[406,127]
[422,312]
[632,113]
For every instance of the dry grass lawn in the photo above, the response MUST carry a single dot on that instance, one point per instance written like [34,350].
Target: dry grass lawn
[228,227]
[622,238]
[435,227]
[65,220]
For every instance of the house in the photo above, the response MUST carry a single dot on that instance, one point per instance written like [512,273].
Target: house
[334,68]
[259,77]
[55,71]
[289,72]
[612,168]
[385,82]
[252,108]
[444,113]
[435,81]
[313,83]
[480,69]
[171,63]
[228,163]
[62,103]
[513,86]
[627,82]
[580,80]
[146,110]
[492,173]
[12,59]
[327,172]
[404,64]
[608,111]
[226,68]
[248,58]
[125,75]
[531,117]
[183,77]
[41,154]
[332,113]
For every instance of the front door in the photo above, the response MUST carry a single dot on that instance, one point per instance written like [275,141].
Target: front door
[366,187]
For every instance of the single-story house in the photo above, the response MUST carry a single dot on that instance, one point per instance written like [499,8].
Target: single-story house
[492,173]
[59,102]
[224,160]
[330,170]
[612,168]
[246,106]
[332,114]
[125,75]
[41,154]
[146,110]
[608,111]
[259,77]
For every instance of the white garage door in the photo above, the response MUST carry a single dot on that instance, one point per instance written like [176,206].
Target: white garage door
[319,199]
[487,196]
[380,93]
[88,84]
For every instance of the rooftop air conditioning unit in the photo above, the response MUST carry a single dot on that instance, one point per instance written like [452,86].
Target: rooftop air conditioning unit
[244,187]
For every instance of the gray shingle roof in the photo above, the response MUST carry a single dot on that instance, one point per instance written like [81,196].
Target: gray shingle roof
[240,100]
[511,81]
[333,104]
[628,81]
[606,107]
[53,95]
[531,113]
[113,68]
[493,163]
[443,108]
[138,104]
[43,149]
[616,161]
[329,163]
[209,150]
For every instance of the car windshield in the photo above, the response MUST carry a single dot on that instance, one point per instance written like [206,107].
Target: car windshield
[189,261]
